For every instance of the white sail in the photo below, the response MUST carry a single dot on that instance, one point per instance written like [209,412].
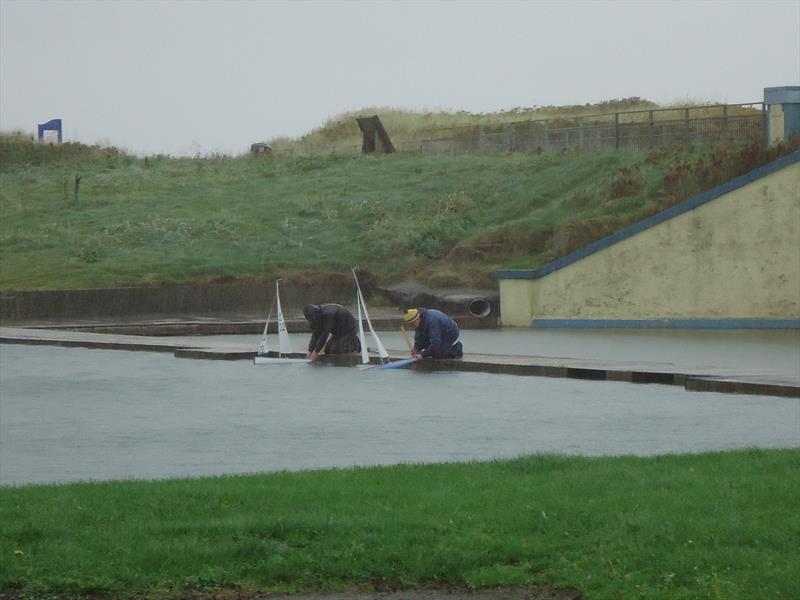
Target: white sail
[284,345]
[283,339]
[362,305]
[364,350]
[378,344]
[263,345]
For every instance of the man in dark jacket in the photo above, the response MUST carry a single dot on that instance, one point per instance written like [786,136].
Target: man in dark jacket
[334,330]
[436,334]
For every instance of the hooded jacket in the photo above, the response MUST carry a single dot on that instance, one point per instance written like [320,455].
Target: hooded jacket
[327,320]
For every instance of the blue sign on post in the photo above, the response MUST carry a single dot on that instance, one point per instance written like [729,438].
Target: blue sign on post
[51,125]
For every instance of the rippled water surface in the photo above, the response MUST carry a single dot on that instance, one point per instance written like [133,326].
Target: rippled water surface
[78,414]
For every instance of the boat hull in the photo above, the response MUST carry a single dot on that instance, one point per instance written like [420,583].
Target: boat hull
[272,360]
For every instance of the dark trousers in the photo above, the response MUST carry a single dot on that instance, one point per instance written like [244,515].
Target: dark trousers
[343,343]
[454,351]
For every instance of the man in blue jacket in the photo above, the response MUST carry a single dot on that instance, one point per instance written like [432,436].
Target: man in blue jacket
[436,334]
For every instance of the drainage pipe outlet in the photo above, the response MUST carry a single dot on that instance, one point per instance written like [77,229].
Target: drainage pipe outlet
[479,307]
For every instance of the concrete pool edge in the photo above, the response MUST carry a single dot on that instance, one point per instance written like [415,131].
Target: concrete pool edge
[767,384]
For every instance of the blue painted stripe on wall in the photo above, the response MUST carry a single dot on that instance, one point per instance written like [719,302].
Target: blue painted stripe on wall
[665,323]
[652,221]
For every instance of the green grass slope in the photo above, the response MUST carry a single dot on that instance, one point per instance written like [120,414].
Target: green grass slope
[709,526]
[443,220]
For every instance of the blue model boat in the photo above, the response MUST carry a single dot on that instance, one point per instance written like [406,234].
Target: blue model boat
[397,364]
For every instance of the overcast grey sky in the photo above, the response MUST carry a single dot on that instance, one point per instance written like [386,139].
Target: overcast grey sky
[187,77]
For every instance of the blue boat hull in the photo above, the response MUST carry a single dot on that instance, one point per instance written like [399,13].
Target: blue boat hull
[398,364]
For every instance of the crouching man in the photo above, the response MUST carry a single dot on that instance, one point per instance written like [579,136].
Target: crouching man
[436,334]
[334,330]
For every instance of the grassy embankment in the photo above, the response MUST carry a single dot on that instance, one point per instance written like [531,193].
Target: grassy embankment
[445,220]
[719,525]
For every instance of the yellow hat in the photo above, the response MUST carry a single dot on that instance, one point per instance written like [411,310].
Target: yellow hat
[411,315]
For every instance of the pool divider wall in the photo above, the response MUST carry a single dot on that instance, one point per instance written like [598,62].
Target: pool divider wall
[570,368]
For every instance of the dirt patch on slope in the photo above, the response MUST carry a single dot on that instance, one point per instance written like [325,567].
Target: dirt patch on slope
[527,593]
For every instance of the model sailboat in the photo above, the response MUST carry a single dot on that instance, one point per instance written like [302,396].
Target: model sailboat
[397,364]
[361,305]
[284,353]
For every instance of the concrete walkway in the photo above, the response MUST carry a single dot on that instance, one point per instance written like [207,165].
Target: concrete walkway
[759,381]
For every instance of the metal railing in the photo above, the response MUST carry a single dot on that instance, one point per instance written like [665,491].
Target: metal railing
[612,130]
[630,129]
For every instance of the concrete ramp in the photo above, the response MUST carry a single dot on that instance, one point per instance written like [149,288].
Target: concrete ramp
[727,258]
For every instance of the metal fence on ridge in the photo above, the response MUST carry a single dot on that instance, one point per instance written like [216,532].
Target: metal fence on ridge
[631,129]
[638,129]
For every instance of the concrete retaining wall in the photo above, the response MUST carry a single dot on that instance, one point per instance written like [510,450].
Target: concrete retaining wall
[183,300]
[249,301]
[730,255]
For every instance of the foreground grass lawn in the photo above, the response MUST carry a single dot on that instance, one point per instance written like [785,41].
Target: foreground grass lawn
[718,525]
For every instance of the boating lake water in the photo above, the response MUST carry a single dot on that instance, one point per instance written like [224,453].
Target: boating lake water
[72,414]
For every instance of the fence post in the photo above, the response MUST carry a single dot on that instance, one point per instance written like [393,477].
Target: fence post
[725,122]
[546,136]
[686,123]
[616,131]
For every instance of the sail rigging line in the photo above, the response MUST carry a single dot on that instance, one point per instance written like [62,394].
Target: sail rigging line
[361,339]
[408,340]
[284,344]
[263,346]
